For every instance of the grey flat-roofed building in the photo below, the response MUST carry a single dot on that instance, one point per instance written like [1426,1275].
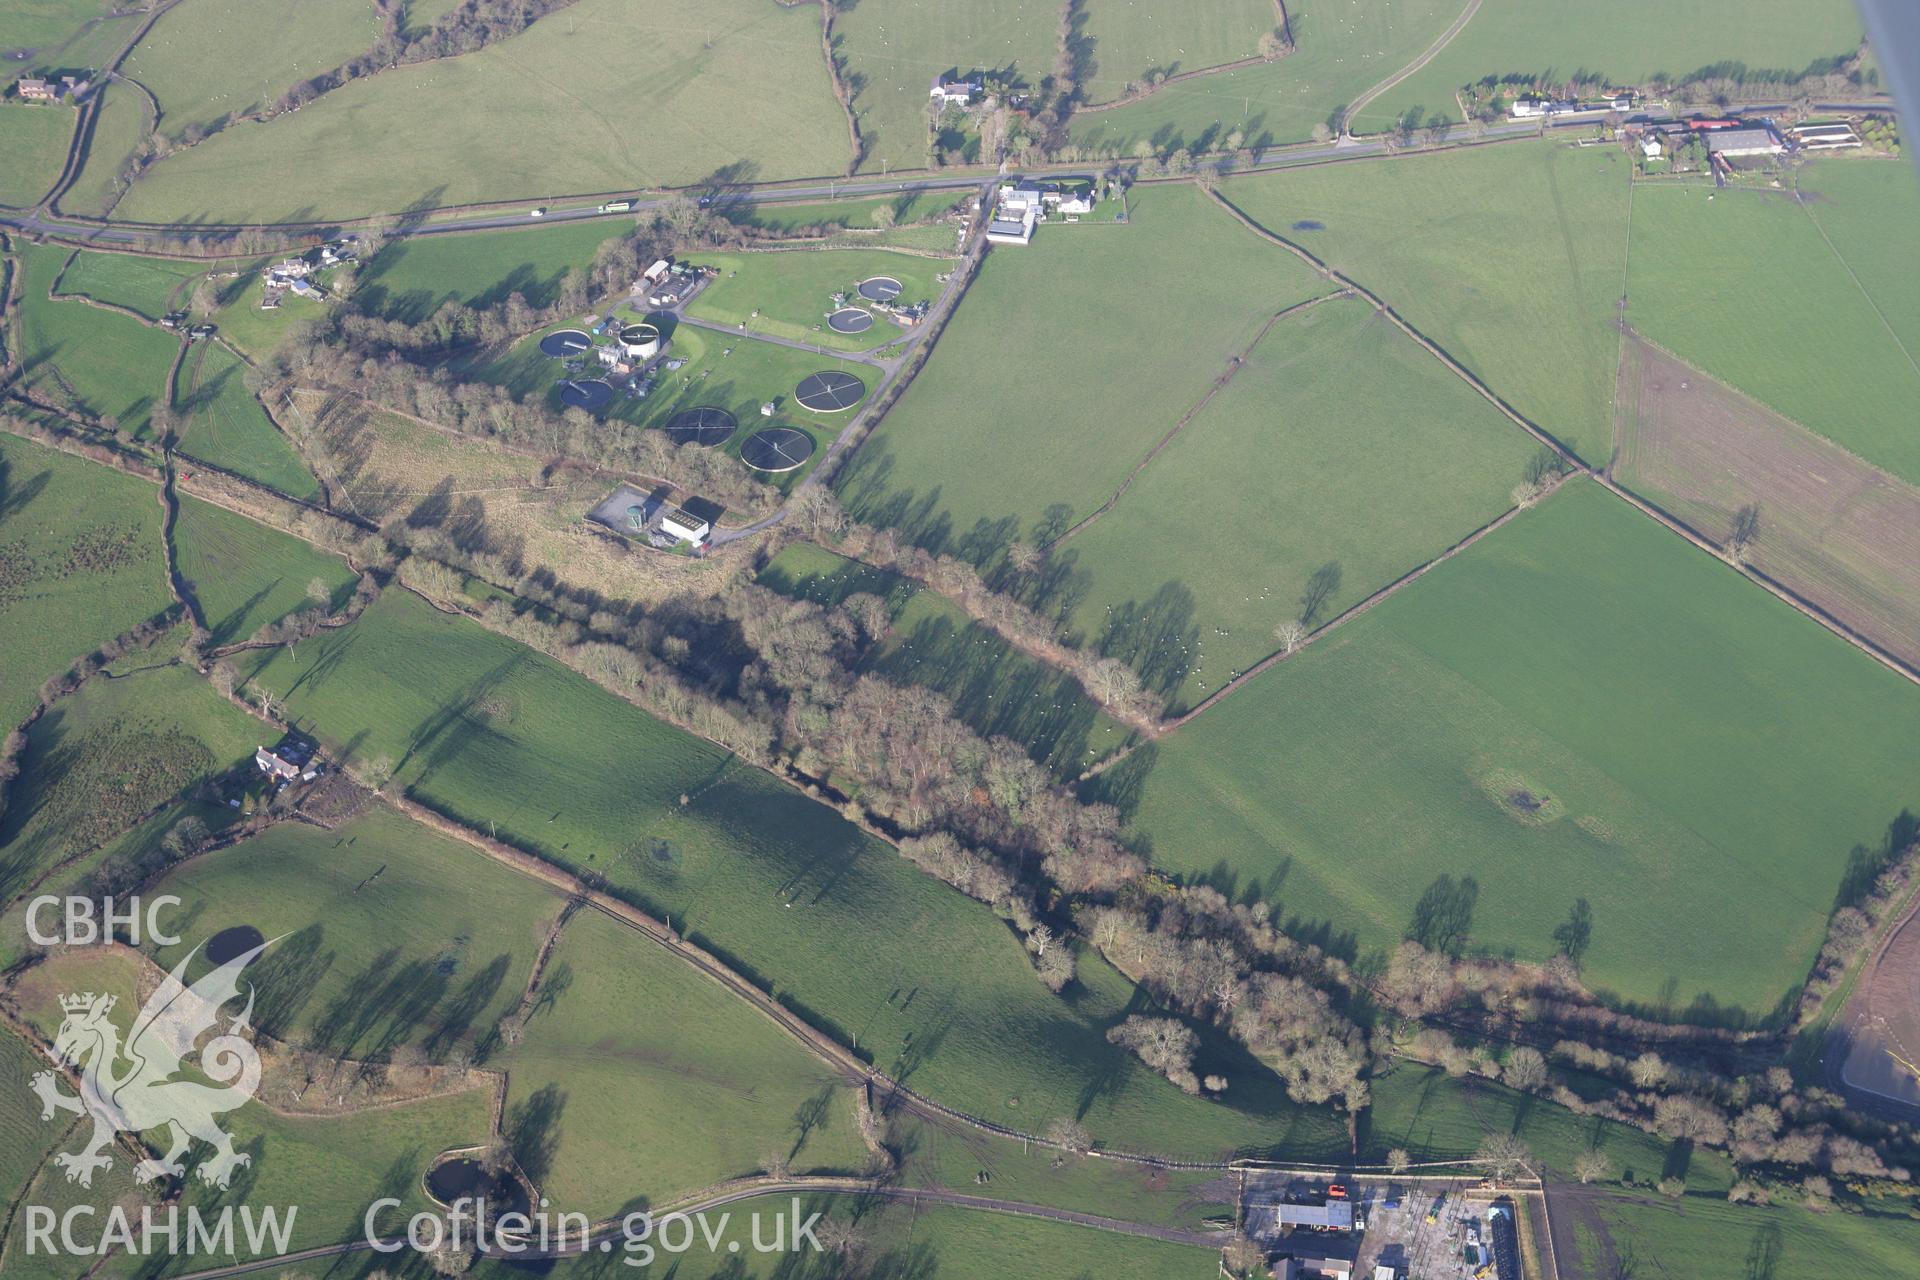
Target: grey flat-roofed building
[1334,1215]
[1753,141]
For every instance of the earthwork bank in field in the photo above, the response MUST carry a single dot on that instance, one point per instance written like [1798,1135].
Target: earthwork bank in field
[1579,706]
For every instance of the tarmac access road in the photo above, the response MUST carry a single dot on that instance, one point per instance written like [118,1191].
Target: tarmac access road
[35,222]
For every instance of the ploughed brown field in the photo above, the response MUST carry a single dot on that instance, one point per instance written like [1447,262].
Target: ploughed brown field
[1883,1020]
[1840,532]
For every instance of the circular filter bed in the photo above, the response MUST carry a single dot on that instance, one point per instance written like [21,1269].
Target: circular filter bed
[776,449]
[829,391]
[850,320]
[880,289]
[563,343]
[705,426]
[592,394]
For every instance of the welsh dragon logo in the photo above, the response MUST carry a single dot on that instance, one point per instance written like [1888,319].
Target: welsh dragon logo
[140,1085]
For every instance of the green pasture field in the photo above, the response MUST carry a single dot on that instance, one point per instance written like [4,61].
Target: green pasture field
[410,278]
[1422,1108]
[33,148]
[994,687]
[1707,1237]
[857,214]
[397,935]
[1521,287]
[952,1157]
[246,575]
[1340,442]
[1127,41]
[1341,53]
[1709,275]
[80,562]
[25,1139]
[390,933]
[672,1083]
[107,756]
[256,332]
[121,122]
[894,48]
[1870,209]
[898,1241]
[940,238]
[210,60]
[331,1167]
[105,364]
[222,424]
[929,984]
[740,383]
[1582,705]
[1628,43]
[788,295]
[151,286]
[28,24]
[1094,341]
[422,14]
[700,86]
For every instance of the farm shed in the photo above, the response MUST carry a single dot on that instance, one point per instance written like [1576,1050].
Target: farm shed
[1758,140]
[1334,1215]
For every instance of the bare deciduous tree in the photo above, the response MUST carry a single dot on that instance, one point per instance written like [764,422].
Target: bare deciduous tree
[1114,681]
[1592,1165]
[1525,1069]
[1069,1134]
[1505,1155]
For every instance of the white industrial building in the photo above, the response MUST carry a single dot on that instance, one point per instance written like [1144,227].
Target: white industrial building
[640,341]
[683,524]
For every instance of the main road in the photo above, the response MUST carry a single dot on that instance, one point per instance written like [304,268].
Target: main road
[36,222]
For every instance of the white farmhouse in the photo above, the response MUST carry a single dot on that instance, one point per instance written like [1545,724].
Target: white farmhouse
[952,93]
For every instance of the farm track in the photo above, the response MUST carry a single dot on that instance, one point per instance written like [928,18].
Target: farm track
[82,138]
[1361,103]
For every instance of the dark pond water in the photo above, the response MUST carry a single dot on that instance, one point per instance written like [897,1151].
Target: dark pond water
[237,941]
[464,1179]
